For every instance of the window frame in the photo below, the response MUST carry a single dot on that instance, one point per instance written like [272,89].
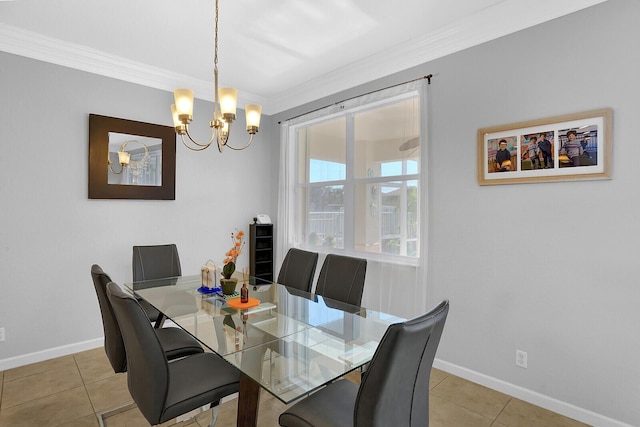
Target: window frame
[301,185]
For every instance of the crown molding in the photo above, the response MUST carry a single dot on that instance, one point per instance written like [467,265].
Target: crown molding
[37,46]
[486,25]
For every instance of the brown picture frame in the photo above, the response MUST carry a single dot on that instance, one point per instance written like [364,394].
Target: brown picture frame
[563,148]
[99,188]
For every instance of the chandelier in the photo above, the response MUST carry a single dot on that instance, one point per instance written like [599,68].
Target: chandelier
[225,100]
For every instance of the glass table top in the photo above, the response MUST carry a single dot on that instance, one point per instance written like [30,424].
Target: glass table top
[291,343]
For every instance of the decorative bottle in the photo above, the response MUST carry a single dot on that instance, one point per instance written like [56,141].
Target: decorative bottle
[244,293]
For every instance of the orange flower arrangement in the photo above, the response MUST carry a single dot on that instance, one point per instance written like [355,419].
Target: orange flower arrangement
[232,254]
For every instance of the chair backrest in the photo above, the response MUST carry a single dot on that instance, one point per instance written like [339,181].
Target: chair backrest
[155,262]
[113,344]
[297,269]
[342,278]
[395,387]
[147,366]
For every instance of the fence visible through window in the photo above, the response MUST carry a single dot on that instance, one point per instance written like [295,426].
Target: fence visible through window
[326,229]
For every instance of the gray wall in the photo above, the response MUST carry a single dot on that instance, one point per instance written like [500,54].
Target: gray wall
[51,233]
[564,286]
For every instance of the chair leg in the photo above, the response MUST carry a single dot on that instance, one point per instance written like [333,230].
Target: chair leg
[111,412]
[214,415]
[160,321]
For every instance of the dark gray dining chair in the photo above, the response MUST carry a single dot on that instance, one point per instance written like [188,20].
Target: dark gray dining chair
[341,278]
[297,269]
[155,262]
[163,390]
[394,390]
[152,313]
[175,342]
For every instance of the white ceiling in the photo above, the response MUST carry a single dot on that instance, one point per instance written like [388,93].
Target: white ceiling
[279,53]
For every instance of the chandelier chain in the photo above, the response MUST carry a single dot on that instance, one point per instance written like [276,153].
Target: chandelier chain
[215,56]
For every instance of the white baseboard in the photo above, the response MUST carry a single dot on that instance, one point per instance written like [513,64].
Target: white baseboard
[51,353]
[535,398]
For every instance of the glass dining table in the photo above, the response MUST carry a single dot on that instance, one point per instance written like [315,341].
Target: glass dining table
[285,341]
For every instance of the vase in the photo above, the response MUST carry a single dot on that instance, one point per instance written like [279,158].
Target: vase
[228,285]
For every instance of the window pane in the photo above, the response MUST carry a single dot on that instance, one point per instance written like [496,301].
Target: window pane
[324,170]
[322,151]
[387,140]
[386,218]
[413,219]
[382,144]
[412,166]
[325,216]
[391,168]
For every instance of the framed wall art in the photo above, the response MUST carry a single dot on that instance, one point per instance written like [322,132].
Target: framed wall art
[131,160]
[564,148]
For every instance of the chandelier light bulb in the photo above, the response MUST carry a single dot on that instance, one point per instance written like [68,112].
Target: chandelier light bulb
[123,158]
[184,104]
[253,113]
[228,101]
[177,123]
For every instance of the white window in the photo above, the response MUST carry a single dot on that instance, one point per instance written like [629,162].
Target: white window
[356,177]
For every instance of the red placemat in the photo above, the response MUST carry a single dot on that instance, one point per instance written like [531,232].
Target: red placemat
[236,303]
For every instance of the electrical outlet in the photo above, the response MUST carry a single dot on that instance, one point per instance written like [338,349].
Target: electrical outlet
[521,358]
[1,334]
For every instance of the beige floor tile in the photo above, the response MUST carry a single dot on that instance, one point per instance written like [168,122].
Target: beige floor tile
[134,418]
[471,396]
[53,410]
[90,354]
[443,413]
[227,415]
[52,393]
[273,409]
[518,413]
[32,387]
[109,393]
[268,416]
[94,369]
[354,376]
[130,418]
[437,376]
[278,404]
[268,413]
[38,368]
[88,421]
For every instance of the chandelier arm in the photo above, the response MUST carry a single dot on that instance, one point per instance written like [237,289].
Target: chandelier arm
[146,152]
[223,138]
[199,144]
[199,148]
[109,163]
[220,143]
[241,148]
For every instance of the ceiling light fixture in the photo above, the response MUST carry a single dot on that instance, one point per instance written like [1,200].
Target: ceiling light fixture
[224,113]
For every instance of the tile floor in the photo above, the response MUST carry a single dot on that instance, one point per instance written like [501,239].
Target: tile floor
[70,390]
